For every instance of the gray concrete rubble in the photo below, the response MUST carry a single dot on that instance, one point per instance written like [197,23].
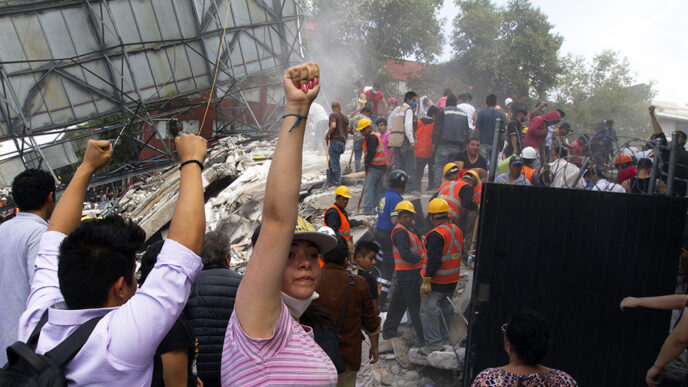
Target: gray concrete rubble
[234,181]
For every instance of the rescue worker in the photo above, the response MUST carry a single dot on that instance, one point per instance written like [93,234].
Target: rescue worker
[458,193]
[444,245]
[529,155]
[375,164]
[336,217]
[383,232]
[626,167]
[409,255]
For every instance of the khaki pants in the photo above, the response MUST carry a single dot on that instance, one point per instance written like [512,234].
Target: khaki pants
[364,377]
[347,379]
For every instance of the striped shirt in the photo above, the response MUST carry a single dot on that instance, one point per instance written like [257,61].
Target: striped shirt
[289,357]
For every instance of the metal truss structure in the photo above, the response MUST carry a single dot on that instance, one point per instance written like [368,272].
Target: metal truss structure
[68,65]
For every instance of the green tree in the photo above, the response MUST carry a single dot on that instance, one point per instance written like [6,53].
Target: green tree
[603,89]
[352,39]
[510,51]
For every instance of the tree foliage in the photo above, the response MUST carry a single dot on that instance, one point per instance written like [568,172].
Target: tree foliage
[352,39]
[603,89]
[510,51]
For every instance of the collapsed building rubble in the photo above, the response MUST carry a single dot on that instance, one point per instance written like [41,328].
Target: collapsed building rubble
[234,182]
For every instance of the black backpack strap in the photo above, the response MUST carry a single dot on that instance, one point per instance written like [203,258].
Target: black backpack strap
[70,346]
[346,304]
[33,338]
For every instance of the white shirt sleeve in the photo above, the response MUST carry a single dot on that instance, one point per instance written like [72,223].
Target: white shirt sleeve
[408,125]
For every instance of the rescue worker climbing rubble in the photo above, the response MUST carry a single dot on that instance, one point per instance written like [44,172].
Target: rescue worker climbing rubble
[444,245]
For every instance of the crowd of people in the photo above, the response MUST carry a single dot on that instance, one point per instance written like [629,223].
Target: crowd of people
[532,146]
[307,310]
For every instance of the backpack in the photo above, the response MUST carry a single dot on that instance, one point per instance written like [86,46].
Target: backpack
[26,368]
[397,134]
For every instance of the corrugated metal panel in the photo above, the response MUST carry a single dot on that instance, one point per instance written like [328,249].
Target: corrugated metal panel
[121,52]
[574,255]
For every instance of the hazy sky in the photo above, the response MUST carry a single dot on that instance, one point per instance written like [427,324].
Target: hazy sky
[652,34]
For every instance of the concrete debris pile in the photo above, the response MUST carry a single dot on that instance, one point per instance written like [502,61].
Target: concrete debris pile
[234,181]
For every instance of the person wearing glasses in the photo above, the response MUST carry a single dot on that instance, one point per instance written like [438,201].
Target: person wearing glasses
[526,337]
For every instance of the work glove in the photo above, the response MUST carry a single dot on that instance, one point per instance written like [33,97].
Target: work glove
[425,287]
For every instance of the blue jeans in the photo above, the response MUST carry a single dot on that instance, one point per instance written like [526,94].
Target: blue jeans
[445,153]
[334,170]
[358,152]
[433,306]
[372,188]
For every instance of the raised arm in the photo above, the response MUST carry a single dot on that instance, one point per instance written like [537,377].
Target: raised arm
[258,302]
[188,222]
[668,302]
[655,123]
[67,214]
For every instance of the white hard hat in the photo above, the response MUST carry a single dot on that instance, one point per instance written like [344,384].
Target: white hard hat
[508,101]
[328,231]
[529,153]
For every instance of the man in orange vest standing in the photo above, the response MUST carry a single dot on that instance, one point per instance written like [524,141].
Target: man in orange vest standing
[375,164]
[336,217]
[409,255]
[443,244]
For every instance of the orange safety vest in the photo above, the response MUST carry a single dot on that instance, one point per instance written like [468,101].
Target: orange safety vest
[449,191]
[345,229]
[477,193]
[380,154]
[449,270]
[416,247]
[528,173]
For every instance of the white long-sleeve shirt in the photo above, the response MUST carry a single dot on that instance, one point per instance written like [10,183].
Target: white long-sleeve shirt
[408,124]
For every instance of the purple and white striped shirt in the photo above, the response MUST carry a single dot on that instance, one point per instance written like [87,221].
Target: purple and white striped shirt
[290,357]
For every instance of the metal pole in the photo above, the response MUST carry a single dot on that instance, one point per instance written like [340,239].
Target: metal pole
[672,163]
[655,168]
[498,130]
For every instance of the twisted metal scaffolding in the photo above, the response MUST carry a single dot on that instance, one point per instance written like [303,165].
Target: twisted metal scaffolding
[68,65]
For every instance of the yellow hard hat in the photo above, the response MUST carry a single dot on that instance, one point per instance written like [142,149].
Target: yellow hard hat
[474,174]
[405,205]
[448,167]
[363,123]
[438,206]
[305,231]
[344,191]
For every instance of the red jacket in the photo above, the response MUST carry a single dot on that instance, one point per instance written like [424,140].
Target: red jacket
[537,131]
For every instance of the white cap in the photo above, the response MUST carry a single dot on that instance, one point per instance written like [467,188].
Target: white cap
[327,230]
[529,153]
[508,101]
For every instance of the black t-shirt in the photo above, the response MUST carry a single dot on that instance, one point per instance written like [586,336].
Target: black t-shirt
[372,282]
[514,129]
[481,162]
[179,337]
[680,186]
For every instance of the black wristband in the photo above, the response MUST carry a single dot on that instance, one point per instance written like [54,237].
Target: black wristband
[200,164]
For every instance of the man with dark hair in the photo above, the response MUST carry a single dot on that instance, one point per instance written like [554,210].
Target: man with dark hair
[402,137]
[514,131]
[485,125]
[336,135]
[211,304]
[680,186]
[34,193]
[90,268]
[451,138]
[564,174]
[470,158]
[349,301]
[363,264]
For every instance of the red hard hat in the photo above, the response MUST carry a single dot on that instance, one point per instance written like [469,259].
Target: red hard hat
[622,158]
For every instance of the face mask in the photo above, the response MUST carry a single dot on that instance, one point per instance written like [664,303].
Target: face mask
[412,104]
[296,306]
